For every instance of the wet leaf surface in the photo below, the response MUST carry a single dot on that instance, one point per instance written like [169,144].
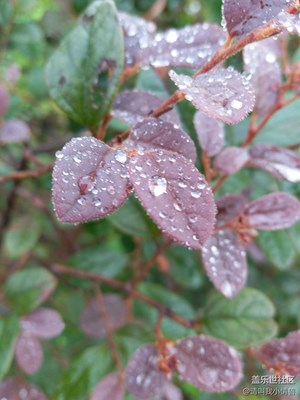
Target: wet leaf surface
[274,211]
[224,94]
[132,106]
[89,180]
[208,363]
[111,387]
[29,353]
[244,16]
[224,260]
[231,160]
[142,375]
[282,355]
[261,60]
[175,195]
[280,162]
[82,75]
[210,133]
[92,321]
[43,323]
[155,134]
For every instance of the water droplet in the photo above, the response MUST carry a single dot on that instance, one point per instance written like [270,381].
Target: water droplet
[182,184]
[81,201]
[86,184]
[162,215]
[227,289]
[196,194]
[59,155]
[121,156]
[177,206]
[157,185]
[77,159]
[139,379]
[236,104]
[193,219]
[171,36]
[97,202]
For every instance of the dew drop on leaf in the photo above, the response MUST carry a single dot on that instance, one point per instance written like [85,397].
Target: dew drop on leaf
[121,156]
[157,185]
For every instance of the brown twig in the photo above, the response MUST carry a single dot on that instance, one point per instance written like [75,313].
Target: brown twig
[255,130]
[33,173]
[156,9]
[109,328]
[221,55]
[220,183]
[101,133]
[59,269]
[208,172]
[143,272]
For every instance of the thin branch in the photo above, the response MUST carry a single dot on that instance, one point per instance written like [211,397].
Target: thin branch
[109,328]
[220,183]
[33,173]
[255,130]
[156,9]
[59,269]
[221,55]
[143,272]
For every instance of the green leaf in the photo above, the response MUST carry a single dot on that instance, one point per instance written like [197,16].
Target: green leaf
[171,300]
[84,73]
[184,267]
[9,331]
[131,219]
[246,320]
[285,120]
[99,260]
[149,81]
[82,375]
[132,336]
[19,239]
[277,247]
[27,289]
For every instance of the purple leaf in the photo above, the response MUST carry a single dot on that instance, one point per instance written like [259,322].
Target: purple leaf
[289,22]
[14,131]
[229,207]
[210,133]
[29,353]
[231,160]
[189,47]
[208,363]
[110,387]
[133,106]
[92,321]
[225,263]
[155,134]
[175,195]
[244,16]
[138,35]
[171,392]
[223,94]
[43,323]
[17,389]
[278,161]
[89,180]
[274,211]
[142,375]
[282,355]
[261,61]
[4,100]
